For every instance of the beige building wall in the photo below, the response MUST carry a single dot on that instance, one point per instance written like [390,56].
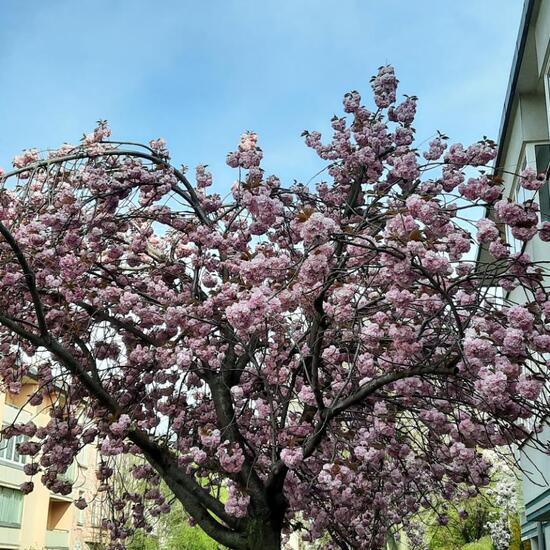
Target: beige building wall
[43,520]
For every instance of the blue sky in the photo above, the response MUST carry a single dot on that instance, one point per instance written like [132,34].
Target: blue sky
[198,73]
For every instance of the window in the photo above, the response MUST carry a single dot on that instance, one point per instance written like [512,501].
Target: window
[11,507]
[81,512]
[70,474]
[58,515]
[519,194]
[8,450]
[536,156]
[97,513]
[542,159]
[83,457]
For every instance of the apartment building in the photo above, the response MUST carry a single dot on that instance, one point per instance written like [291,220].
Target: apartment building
[41,519]
[524,140]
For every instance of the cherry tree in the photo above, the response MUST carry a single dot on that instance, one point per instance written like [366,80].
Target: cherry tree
[314,359]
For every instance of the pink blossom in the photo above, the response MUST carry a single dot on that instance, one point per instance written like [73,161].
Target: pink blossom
[406,167]
[437,148]
[210,438]
[487,231]
[159,146]
[27,157]
[384,86]
[435,263]
[204,178]
[520,317]
[249,313]
[400,298]
[352,102]
[317,228]
[120,427]
[457,155]
[237,502]
[292,457]
[514,342]
[529,387]
[498,249]
[404,112]
[529,179]
[425,211]
[199,456]
[492,385]
[542,342]
[81,503]
[544,231]
[26,487]
[479,348]
[249,154]
[31,468]
[30,448]
[231,457]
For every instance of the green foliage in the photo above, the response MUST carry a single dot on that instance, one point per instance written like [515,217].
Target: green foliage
[515,531]
[483,543]
[173,532]
[178,534]
[460,534]
[173,537]
[190,538]
[142,541]
[461,531]
[515,541]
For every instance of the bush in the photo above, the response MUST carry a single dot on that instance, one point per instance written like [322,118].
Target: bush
[460,531]
[190,538]
[141,541]
[515,540]
[483,543]
[173,537]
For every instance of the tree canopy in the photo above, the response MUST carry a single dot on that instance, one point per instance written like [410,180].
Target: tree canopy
[331,355]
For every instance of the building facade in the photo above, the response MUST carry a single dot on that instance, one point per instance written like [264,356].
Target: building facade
[524,141]
[41,519]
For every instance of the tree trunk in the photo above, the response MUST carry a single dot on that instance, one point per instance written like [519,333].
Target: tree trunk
[262,535]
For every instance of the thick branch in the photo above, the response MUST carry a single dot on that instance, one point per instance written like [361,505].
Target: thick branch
[29,277]
[193,497]
[101,315]
[359,396]
[228,425]
[196,500]
[190,196]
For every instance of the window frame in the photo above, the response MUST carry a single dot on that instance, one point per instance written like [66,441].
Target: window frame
[528,158]
[81,513]
[9,454]
[544,191]
[11,524]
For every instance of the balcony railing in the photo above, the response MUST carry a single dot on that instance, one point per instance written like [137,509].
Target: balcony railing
[10,536]
[57,539]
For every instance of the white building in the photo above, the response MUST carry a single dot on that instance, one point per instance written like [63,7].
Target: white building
[524,140]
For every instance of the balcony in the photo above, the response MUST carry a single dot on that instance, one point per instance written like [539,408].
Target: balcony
[11,474]
[57,539]
[13,413]
[9,537]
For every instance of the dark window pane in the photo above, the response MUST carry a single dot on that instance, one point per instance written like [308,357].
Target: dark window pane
[542,155]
